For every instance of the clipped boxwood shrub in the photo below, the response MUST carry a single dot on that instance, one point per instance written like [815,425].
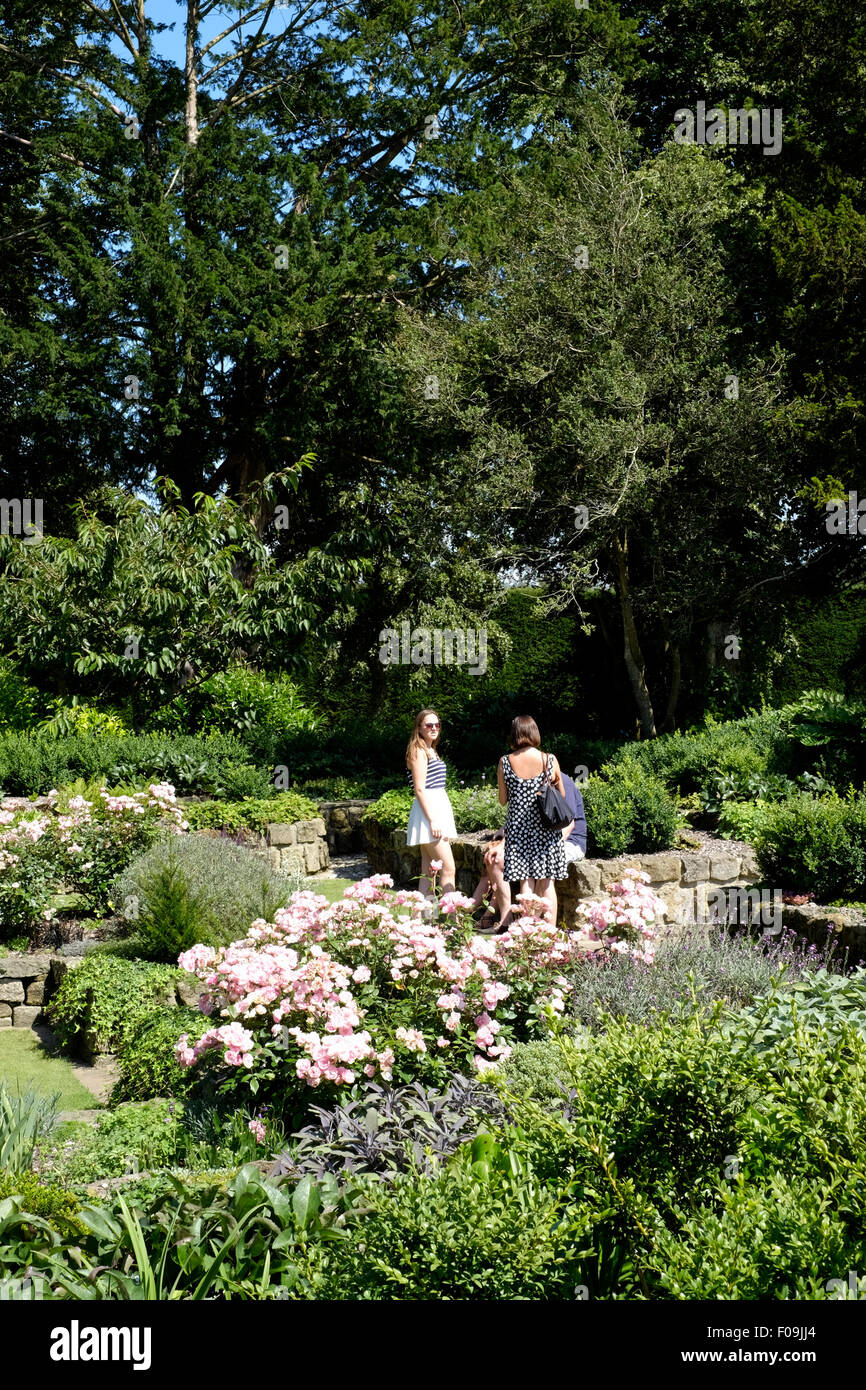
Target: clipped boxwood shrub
[780,1241]
[815,843]
[536,1070]
[102,1002]
[628,811]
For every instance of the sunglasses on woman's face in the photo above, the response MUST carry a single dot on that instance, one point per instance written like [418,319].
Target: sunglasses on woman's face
[432,726]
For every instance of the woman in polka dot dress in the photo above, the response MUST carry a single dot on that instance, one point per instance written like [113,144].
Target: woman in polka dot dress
[533,854]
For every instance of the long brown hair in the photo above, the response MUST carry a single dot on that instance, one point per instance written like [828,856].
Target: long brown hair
[417,740]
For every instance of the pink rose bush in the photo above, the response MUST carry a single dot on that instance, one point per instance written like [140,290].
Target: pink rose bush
[329,993]
[77,843]
[628,919]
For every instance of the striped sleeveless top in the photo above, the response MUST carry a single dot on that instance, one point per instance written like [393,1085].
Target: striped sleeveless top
[435,775]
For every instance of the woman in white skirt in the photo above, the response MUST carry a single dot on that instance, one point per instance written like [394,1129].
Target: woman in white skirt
[431,820]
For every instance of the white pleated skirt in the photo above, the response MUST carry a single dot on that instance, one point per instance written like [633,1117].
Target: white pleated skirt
[420,831]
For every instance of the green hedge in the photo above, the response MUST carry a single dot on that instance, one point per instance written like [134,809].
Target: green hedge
[817,844]
[628,811]
[32,764]
[252,813]
[830,651]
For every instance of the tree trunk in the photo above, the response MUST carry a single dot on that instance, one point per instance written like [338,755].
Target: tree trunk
[191,73]
[632,654]
[669,722]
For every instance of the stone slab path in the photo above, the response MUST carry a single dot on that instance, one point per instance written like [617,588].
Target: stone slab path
[97,1078]
[353,866]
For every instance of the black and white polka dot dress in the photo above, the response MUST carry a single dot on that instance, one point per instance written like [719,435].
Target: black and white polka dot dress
[531,850]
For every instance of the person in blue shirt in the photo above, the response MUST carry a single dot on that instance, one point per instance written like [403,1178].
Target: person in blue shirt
[575,834]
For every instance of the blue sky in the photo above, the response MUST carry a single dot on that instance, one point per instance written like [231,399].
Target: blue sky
[170,44]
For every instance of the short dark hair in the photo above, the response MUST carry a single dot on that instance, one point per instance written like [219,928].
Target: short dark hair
[524,731]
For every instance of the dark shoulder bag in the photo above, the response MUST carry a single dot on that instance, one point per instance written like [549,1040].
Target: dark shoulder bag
[553,808]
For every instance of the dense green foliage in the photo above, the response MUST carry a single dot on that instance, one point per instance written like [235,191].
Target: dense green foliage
[155,596]
[474,809]
[47,1201]
[817,844]
[146,1061]
[251,813]
[628,810]
[263,710]
[106,999]
[32,764]
[129,1139]
[472,1232]
[267,326]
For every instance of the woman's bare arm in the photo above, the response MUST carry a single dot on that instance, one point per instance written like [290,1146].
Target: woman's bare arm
[500,777]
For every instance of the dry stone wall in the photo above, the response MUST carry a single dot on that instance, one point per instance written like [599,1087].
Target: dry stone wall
[27,982]
[343,822]
[300,848]
[683,880]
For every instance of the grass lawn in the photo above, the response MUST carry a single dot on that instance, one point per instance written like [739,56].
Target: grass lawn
[330,888]
[24,1062]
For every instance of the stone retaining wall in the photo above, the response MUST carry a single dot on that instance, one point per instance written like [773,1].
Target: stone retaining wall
[845,927]
[300,848]
[681,879]
[343,824]
[27,982]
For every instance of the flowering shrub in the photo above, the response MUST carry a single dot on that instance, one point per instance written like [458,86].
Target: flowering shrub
[330,992]
[80,843]
[626,921]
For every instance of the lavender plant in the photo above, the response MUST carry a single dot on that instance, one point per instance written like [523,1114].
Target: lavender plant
[691,971]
